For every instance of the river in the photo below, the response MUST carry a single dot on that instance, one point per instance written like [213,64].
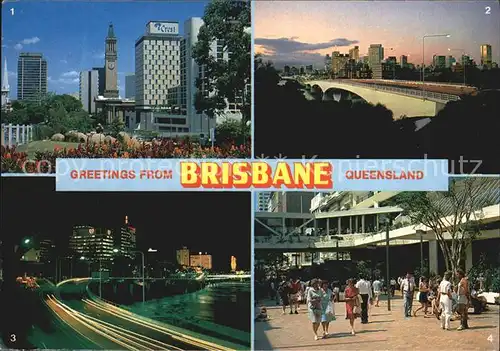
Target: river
[221,311]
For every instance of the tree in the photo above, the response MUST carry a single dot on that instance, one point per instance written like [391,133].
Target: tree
[269,264]
[227,24]
[117,126]
[232,131]
[453,216]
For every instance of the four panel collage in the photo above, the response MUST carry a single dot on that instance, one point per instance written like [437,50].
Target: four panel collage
[157,194]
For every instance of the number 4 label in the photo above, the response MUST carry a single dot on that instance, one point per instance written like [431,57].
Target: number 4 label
[490,338]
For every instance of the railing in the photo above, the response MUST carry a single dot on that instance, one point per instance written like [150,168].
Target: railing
[441,97]
[14,135]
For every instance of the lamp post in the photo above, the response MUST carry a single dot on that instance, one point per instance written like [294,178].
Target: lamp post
[143,275]
[463,63]
[387,221]
[421,234]
[423,57]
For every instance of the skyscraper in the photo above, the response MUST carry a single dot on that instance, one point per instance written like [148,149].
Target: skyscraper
[403,61]
[89,89]
[439,61]
[486,58]
[31,77]
[263,200]
[111,58]
[157,77]
[183,257]
[126,242]
[93,244]
[5,87]
[354,53]
[130,86]
[375,54]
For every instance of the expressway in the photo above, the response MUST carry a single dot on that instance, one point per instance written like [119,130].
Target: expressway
[430,87]
[107,326]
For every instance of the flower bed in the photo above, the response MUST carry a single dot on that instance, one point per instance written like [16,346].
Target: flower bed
[44,162]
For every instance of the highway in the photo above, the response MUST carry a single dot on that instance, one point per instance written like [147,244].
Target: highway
[435,88]
[110,327]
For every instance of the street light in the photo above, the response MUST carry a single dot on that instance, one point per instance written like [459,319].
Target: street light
[463,63]
[423,57]
[421,233]
[152,250]
[387,221]
[143,277]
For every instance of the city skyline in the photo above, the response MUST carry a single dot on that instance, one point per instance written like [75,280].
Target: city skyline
[306,34]
[80,46]
[155,216]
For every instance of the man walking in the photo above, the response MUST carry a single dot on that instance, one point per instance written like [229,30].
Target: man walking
[444,300]
[407,290]
[365,290]
[463,299]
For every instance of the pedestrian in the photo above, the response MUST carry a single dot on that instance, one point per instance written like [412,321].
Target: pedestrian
[365,290]
[423,296]
[352,303]
[464,299]
[444,298]
[377,290]
[393,287]
[327,307]
[407,290]
[314,306]
[284,293]
[295,289]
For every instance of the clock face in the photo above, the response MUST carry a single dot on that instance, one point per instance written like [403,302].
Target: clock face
[111,65]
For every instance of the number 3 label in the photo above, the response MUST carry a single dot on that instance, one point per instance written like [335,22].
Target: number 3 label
[13,338]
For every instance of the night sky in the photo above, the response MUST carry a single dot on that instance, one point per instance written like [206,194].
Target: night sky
[212,222]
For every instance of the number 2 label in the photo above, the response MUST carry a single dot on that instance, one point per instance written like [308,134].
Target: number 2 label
[487,10]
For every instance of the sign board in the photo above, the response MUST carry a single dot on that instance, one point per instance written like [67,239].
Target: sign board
[162,28]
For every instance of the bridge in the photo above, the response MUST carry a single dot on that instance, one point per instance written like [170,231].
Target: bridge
[403,98]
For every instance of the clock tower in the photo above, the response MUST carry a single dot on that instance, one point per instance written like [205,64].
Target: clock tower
[111,77]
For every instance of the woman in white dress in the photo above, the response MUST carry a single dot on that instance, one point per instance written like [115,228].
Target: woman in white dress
[445,300]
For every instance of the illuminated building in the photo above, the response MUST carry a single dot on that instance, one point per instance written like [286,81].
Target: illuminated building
[486,59]
[92,243]
[233,264]
[183,257]
[126,242]
[201,260]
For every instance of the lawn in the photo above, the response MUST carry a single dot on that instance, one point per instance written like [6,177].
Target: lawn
[44,145]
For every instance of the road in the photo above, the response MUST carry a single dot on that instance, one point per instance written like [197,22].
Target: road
[110,327]
[443,89]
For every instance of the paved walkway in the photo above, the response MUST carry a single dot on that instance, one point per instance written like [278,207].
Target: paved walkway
[385,331]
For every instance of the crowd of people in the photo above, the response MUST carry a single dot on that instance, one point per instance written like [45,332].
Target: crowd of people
[437,298]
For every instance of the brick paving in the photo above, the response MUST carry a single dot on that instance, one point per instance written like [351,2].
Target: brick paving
[386,330]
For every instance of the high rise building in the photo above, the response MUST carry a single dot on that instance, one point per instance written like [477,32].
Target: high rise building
[339,62]
[126,242]
[201,260]
[111,58]
[263,200]
[354,53]
[450,60]
[130,86]
[403,61]
[486,57]
[157,78]
[466,60]
[93,244]
[375,54]
[309,69]
[89,90]
[233,264]
[286,69]
[47,250]
[290,202]
[31,77]
[5,87]
[328,63]
[439,61]
[101,71]
[183,257]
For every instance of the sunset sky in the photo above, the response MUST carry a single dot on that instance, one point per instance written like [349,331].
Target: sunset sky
[303,32]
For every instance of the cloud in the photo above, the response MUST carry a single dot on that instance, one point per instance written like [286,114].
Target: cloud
[63,61]
[18,47]
[64,80]
[283,51]
[29,41]
[70,74]
[291,45]
[11,74]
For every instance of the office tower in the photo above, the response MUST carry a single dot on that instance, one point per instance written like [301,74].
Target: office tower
[375,54]
[126,242]
[354,53]
[263,200]
[130,86]
[290,202]
[183,257]
[201,260]
[286,69]
[439,61]
[101,72]
[328,63]
[5,87]
[89,90]
[92,244]
[486,57]
[403,61]
[31,77]
[302,70]
[157,78]
[233,264]
[309,69]
[450,60]
[339,62]
[47,250]
[111,58]
[466,60]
